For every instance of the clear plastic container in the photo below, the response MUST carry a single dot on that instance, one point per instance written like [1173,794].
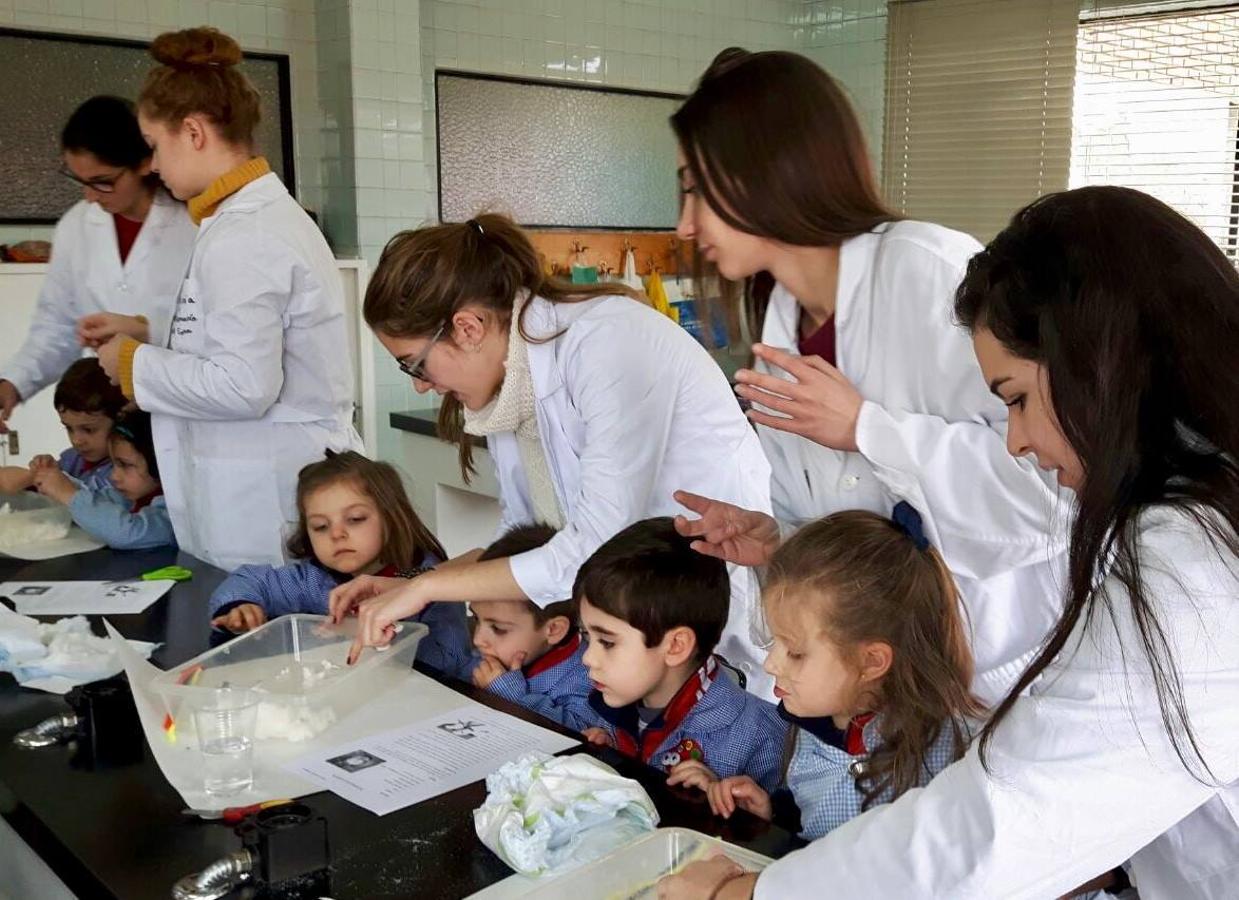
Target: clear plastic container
[632,872]
[28,518]
[297,664]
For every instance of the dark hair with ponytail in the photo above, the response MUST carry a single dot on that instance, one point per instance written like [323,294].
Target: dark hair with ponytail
[1133,313]
[864,578]
[106,127]
[424,276]
[134,427]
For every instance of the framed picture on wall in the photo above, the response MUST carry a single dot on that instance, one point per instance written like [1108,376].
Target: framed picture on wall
[555,154]
[47,75]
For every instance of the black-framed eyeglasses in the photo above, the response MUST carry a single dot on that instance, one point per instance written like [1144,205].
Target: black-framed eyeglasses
[104,185]
[417,369]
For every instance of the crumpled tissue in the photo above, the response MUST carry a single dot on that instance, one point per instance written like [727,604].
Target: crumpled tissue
[544,815]
[59,656]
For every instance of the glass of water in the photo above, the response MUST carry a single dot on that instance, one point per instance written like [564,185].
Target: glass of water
[225,719]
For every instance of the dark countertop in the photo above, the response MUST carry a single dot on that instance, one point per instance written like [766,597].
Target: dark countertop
[119,833]
[418,421]
[424,422]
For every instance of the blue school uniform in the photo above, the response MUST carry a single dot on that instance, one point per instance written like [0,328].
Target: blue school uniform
[107,515]
[305,587]
[710,718]
[555,685]
[92,475]
[825,766]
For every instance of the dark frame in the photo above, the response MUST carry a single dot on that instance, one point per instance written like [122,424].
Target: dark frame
[539,82]
[283,70]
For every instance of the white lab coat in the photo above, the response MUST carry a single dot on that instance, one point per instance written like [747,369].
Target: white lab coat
[630,408]
[256,381]
[86,276]
[931,433]
[1084,775]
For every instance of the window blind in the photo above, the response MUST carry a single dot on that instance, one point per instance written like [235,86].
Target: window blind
[1157,109]
[979,96]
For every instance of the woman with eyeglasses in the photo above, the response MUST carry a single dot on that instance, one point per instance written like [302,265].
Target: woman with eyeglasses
[118,255]
[255,381]
[595,409]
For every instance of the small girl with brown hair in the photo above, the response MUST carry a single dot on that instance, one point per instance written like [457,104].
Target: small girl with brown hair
[871,663]
[353,518]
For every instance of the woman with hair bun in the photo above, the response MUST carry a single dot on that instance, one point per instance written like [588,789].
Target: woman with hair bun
[255,381]
[119,252]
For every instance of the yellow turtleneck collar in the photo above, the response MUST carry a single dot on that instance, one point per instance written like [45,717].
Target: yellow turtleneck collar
[225,186]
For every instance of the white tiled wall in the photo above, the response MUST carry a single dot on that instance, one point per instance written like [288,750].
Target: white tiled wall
[285,26]
[654,44]
[363,78]
[848,39]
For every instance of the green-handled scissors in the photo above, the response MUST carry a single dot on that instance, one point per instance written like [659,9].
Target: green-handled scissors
[168,573]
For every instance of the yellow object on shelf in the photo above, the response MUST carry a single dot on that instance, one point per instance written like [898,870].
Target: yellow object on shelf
[658,295]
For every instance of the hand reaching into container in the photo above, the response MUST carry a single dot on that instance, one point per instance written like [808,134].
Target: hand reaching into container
[242,617]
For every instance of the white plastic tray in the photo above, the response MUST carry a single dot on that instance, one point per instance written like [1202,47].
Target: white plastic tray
[631,872]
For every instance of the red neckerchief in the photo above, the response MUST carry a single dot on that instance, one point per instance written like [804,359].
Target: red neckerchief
[386,572]
[855,737]
[553,657]
[144,502]
[91,466]
[683,701]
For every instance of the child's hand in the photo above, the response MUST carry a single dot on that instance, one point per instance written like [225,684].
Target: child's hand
[491,668]
[97,328]
[55,484]
[598,737]
[692,773]
[15,479]
[739,791]
[242,617]
[43,461]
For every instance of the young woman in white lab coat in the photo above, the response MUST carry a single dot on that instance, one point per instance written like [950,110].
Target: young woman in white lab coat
[1107,323]
[118,254]
[776,183]
[594,406]
[255,381]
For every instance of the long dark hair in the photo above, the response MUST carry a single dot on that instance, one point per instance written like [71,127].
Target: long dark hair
[776,150]
[134,426]
[107,127]
[1134,313]
[864,579]
[426,275]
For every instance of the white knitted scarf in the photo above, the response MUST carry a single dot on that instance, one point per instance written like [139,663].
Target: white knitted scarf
[513,409]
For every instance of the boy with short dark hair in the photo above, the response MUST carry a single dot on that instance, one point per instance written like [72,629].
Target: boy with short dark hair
[87,403]
[653,610]
[531,655]
[129,512]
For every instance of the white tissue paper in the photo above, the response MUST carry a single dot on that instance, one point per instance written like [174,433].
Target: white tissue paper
[544,815]
[59,656]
